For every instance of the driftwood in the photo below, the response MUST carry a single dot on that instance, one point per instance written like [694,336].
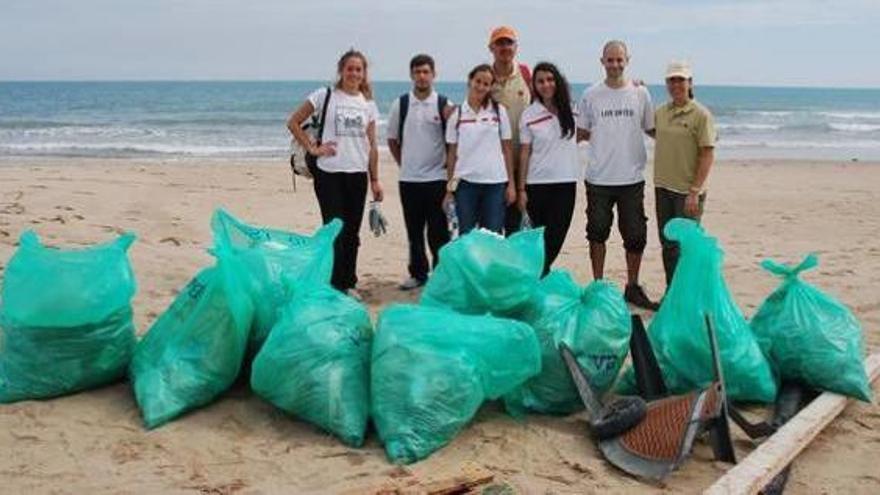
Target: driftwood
[771,457]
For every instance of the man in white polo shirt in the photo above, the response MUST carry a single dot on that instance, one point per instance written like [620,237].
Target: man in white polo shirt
[416,130]
[614,115]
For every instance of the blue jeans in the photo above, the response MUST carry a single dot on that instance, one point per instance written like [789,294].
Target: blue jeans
[480,204]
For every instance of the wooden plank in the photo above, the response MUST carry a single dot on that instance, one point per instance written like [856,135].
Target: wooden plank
[771,457]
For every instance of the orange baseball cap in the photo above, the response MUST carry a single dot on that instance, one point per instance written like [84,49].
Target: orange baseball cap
[502,32]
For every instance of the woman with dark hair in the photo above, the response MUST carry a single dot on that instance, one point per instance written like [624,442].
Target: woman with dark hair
[347,158]
[549,169]
[683,155]
[479,157]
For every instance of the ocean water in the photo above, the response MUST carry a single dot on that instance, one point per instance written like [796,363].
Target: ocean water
[247,119]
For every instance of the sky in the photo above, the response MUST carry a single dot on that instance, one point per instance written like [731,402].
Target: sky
[737,42]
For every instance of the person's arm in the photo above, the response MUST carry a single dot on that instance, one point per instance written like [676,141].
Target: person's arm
[648,113]
[393,124]
[294,125]
[704,164]
[451,156]
[525,152]
[373,163]
[507,154]
[582,121]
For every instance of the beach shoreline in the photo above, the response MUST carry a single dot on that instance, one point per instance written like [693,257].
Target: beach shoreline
[94,441]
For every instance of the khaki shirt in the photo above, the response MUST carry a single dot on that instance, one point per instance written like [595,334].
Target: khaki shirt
[514,93]
[681,132]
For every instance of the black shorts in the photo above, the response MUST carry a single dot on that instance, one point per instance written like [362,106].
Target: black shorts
[632,222]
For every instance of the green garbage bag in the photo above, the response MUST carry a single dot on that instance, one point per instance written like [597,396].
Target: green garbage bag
[266,256]
[66,318]
[594,322]
[482,272]
[810,336]
[315,364]
[678,330]
[432,369]
[194,350]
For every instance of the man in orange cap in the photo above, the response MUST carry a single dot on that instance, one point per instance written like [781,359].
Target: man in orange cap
[512,89]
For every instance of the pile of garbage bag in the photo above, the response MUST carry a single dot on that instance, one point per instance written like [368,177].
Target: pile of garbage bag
[315,364]
[432,368]
[66,318]
[810,336]
[593,321]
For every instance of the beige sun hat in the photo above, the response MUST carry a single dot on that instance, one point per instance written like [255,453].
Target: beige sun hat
[679,68]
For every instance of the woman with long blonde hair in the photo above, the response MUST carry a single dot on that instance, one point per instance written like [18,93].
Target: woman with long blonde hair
[344,157]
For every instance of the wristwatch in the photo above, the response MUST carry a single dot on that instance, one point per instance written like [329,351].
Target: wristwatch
[452,185]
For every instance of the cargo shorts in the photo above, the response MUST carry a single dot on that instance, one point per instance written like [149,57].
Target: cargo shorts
[631,222]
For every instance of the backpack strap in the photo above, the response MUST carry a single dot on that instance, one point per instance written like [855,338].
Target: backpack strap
[442,101]
[404,109]
[526,75]
[323,115]
[495,106]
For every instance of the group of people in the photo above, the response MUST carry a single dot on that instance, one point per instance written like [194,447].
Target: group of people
[509,152]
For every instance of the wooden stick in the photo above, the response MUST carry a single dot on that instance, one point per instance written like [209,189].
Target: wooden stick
[771,457]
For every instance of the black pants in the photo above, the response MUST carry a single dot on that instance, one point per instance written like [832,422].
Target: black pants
[343,195]
[670,205]
[422,204]
[551,206]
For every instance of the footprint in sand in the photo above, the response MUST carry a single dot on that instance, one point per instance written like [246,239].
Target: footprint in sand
[14,208]
[111,228]
[170,240]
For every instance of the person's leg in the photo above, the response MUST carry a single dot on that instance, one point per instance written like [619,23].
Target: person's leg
[354,203]
[330,191]
[633,225]
[538,207]
[559,201]
[671,205]
[600,216]
[413,203]
[467,201]
[438,230]
[492,208]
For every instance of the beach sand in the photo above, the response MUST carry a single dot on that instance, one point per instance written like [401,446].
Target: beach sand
[93,442]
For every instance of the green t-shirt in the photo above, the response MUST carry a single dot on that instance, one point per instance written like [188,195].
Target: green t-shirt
[681,132]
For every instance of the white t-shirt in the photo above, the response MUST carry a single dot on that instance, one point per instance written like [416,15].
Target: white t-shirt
[617,120]
[345,125]
[423,154]
[478,135]
[553,159]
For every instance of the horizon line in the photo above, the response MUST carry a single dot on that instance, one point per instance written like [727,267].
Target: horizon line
[321,81]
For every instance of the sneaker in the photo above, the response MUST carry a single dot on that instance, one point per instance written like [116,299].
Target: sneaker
[410,284]
[635,295]
[354,294]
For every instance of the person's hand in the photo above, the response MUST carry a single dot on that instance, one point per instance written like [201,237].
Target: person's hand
[326,149]
[510,194]
[522,200]
[692,205]
[376,188]
[448,199]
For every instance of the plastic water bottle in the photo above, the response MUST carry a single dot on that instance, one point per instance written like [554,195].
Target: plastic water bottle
[451,219]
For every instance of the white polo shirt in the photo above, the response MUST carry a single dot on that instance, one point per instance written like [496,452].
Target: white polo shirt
[423,154]
[345,125]
[617,120]
[478,135]
[553,159]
